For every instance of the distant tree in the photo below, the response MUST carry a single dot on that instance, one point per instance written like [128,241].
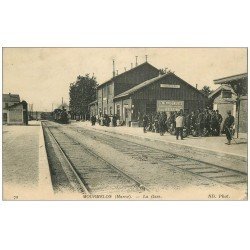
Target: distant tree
[162,71]
[206,90]
[165,71]
[81,93]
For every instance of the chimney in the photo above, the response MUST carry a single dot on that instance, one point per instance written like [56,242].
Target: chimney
[146,57]
[117,72]
[136,64]
[125,69]
[196,86]
[113,68]
[131,65]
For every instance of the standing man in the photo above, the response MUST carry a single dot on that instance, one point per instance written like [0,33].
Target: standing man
[179,125]
[161,124]
[214,124]
[145,123]
[228,127]
[93,120]
[219,121]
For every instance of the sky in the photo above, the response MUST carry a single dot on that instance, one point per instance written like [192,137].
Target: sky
[42,76]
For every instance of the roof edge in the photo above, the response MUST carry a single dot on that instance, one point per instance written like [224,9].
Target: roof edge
[219,80]
[130,70]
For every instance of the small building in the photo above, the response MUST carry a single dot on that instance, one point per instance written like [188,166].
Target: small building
[14,111]
[224,100]
[239,85]
[163,93]
[18,114]
[8,100]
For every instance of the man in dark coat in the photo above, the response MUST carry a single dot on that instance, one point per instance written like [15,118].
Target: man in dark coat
[214,124]
[200,122]
[219,120]
[145,123]
[161,124]
[93,120]
[228,127]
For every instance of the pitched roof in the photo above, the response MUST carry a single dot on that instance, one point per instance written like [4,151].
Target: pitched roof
[126,72]
[222,87]
[150,81]
[230,78]
[22,103]
[11,98]
[139,86]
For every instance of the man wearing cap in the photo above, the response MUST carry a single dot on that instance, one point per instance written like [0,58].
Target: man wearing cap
[179,125]
[227,127]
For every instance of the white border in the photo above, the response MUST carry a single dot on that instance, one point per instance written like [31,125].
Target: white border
[124,225]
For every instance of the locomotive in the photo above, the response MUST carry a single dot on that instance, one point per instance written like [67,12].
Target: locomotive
[61,116]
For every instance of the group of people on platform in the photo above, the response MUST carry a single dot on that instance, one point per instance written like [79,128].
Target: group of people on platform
[197,123]
[104,120]
[204,123]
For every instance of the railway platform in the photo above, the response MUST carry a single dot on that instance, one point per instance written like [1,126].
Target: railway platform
[215,145]
[25,167]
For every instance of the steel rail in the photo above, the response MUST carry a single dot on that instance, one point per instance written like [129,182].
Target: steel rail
[125,175]
[83,187]
[240,173]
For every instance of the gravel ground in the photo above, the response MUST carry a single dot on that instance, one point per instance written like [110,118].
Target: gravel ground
[158,142]
[163,180]
[20,161]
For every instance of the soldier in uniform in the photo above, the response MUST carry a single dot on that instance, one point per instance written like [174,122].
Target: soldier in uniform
[228,126]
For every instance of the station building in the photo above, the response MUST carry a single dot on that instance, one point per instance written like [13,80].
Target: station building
[164,93]
[144,90]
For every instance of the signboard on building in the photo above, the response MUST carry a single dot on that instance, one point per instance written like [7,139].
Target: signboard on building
[169,105]
[170,86]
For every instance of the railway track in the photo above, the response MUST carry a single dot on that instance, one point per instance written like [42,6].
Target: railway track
[88,173]
[209,171]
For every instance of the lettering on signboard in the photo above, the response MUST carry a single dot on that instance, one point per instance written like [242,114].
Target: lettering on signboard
[169,105]
[170,86]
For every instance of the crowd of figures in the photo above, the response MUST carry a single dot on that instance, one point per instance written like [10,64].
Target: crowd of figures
[199,123]
[104,120]
[204,123]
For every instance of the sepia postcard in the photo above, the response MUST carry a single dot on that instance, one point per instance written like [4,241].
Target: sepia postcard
[124,124]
